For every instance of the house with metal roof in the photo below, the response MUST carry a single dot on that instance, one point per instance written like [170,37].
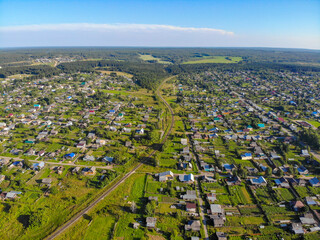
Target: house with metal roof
[314,182]
[186,178]
[164,176]
[258,181]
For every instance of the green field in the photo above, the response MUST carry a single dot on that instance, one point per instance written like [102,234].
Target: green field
[314,123]
[148,57]
[215,59]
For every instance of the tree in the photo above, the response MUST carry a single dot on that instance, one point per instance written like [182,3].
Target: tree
[157,159]
[54,190]
[268,171]
[37,218]
[150,208]
[172,192]
[217,176]
[27,163]
[153,136]
[280,173]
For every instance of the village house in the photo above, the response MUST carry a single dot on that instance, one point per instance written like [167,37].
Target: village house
[38,166]
[89,171]
[46,181]
[89,158]
[59,169]
[282,182]
[187,178]
[314,182]
[81,144]
[2,178]
[184,166]
[107,160]
[221,236]
[296,228]
[190,195]
[12,195]
[310,201]
[246,156]
[307,219]
[75,170]
[184,141]
[305,153]
[260,181]
[4,161]
[193,225]
[191,207]
[217,215]
[233,180]
[297,206]
[151,222]
[211,197]
[164,176]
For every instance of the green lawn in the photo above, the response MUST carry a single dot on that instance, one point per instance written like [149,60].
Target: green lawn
[215,59]
[148,57]
[314,123]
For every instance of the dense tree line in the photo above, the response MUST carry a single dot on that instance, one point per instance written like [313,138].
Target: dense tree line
[174,55]
[311,137]
[199,68]
[39,70]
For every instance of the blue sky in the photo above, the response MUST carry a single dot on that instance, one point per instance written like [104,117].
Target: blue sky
[223,23]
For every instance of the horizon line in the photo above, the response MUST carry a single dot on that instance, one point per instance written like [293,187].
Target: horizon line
[206,47]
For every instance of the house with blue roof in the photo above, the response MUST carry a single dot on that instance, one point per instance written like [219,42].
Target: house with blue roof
[18,163]
[229,167]
[70,155]
[188,178]
[310,201]
[282,182]
[214,135]
[314,182]
[38,166]
[215,129]
[262,167]
[293,103]
[208,168]
[107,159]
[302,170]
[246,156]
[260,181]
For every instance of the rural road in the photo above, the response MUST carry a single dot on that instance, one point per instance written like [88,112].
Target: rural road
[202,210]
[75,218]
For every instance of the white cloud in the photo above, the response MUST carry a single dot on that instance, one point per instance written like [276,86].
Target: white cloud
[110,27]
[142,35]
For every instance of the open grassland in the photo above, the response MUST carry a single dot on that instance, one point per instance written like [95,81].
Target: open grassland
[35,214]
[117,72]
[148,57]
[215,59]
[108,217]
[19,76]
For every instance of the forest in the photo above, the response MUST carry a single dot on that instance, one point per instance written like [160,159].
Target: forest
[148,74]
[173,55]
